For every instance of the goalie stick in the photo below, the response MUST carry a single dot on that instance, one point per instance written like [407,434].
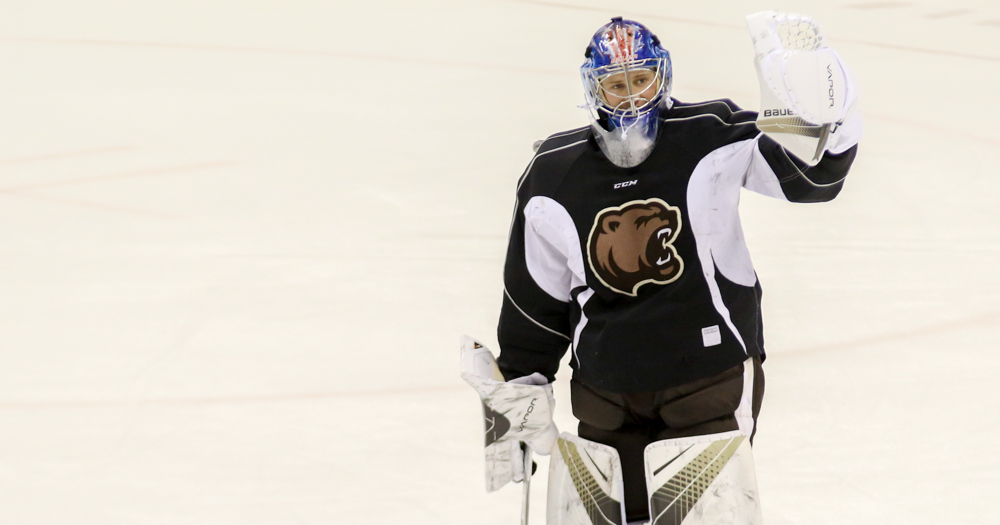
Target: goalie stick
[517,415]
[526,489]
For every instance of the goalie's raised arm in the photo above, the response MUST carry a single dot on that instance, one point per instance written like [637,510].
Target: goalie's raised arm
[808,97]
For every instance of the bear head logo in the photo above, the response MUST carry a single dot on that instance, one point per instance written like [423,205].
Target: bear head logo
[632,245]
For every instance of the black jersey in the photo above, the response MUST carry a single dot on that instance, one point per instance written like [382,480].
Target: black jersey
[644,272]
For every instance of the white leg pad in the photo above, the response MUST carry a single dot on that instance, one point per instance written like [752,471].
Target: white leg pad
[703,480]
[585,484]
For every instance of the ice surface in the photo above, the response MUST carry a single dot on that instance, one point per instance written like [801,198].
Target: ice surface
[239,242]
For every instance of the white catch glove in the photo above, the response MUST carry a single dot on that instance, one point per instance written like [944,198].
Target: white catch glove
[542,441]
[808,98]
[515,411]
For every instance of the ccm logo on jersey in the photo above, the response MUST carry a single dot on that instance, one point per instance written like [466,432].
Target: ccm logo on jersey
[626,184]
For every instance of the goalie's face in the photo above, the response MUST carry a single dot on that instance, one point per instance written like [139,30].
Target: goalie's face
[626,80]
[629,90]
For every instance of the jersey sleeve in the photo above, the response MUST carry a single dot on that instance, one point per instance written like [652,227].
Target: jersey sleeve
[776,173]
[534,329]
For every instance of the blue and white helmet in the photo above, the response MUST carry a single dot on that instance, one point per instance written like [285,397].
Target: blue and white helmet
[627,78]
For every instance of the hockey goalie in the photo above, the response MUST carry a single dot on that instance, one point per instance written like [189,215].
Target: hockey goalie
[626,249]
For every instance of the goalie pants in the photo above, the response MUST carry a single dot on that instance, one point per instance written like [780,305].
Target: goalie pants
[629,422]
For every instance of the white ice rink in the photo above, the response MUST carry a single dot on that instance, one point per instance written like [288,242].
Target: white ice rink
[239,241]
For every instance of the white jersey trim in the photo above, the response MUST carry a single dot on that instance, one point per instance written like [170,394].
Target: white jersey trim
[582,299]
[760,178]
[567,133]
[552,248]
[713,208]
[810,181]
[744,412]
[710,115]
[560,334]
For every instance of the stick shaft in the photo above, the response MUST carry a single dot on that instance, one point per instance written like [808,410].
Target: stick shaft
[526,494]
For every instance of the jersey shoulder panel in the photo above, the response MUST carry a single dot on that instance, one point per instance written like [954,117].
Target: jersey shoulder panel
[705,126]
[724,110]
[562,139]
[552,161]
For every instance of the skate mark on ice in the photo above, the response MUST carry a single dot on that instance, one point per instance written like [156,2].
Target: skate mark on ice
[114,176]
[982,319]
[228,400]
[290,52]
[93,205]
[949,14]
[64,154]
[22,191]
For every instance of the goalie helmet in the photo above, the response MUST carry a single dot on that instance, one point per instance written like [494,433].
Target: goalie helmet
[627,79]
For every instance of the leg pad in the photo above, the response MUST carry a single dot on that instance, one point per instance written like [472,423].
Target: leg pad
[703,480]
[585,483]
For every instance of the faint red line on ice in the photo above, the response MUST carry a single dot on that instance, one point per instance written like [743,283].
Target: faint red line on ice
[942,131]
[630,13]
[113,176]
[95,205]
[315,396]
[878,5]
[22,191]
[226,400]
[741,26]
[65,154]
[867,114]
[474,65]
[924,50]
[293,52]
[984,319]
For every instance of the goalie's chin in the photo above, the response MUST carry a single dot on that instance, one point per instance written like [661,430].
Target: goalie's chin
[626,147]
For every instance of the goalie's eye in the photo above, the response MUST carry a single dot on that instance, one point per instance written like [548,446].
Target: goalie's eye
[620,82]
[633,87]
